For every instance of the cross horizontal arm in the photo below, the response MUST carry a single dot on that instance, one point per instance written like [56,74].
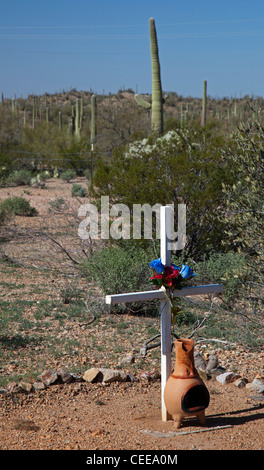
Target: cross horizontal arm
[199,290]
[135,296]
[161,295]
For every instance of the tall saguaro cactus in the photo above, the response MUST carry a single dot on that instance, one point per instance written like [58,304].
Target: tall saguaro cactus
[203,120]
[157,106]
[93,131]
[93,120]
[77,120]
[157,102]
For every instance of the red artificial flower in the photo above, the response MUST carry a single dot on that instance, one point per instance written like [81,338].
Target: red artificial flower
[157,276]
[171,272]
[170,275]
[167,278]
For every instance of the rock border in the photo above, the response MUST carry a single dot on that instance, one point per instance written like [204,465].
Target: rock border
[208,370]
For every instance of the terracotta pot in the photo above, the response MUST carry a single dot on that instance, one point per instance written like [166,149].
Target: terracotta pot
[185,393]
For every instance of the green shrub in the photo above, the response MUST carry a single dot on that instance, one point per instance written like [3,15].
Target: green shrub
[17,206]
[78,191]
[44,175]
[186,318]
[183,165]
[88,174]
[57,205]
[230,269]
[121,269]
[68,175]
[19,178]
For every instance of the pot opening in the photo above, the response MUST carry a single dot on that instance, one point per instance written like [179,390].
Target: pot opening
[195,398]
[187,344]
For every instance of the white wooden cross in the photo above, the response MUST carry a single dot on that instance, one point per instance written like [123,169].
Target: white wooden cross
[165,308]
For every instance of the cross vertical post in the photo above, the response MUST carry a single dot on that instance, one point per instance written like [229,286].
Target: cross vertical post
[165,235]
[161,295]
[165,310]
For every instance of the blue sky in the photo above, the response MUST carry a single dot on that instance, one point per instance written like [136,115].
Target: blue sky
[103,45]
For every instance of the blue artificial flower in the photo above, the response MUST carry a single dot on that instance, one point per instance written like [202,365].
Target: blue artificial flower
[157,265]
[186,272]
[175,267]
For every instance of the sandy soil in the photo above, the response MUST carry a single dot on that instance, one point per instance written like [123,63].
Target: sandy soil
[124,416]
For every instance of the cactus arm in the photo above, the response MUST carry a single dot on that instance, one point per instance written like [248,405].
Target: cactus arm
[141,102]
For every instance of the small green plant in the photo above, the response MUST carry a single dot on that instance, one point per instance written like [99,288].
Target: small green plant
[17,206]
[57,205]
[68,175]
[228,268]
[185,318]
[69,293]
[78,190]
[121,269]
[19,178]
[44,175]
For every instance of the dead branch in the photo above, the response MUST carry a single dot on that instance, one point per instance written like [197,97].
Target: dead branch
[147,346]
[216,340]
[199,326]
[49,237]
[93,316]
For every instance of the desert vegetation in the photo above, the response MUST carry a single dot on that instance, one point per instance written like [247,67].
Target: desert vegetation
[215,168]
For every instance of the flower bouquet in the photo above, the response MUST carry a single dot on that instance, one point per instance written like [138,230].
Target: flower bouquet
[171,277]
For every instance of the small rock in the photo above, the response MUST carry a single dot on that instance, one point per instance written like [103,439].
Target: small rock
[145,376]
[3,391]
[212,363]
[259,376]
[217,371]
[127,360]
[155,375]
[39,386]
[111,375]
[199,361]
[25,387]
[132,378]
[97,432]
[49,377]
[64,375]
[13,387]
[227,378]
[92,375]
[256,386]
[76,377]
[240,383]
